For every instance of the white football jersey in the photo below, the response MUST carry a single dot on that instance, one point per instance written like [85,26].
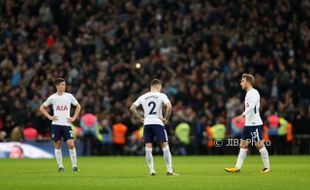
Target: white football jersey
[152,104]
[61,107]
[251,112]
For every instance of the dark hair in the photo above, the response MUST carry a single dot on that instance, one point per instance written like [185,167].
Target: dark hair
[155,82]
[58,81]
[249,78]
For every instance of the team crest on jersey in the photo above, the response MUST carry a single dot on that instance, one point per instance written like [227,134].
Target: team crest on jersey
[61,108]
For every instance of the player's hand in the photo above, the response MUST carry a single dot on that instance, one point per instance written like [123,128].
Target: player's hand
[165,121]
[239,118]
[70,119]
[53,118]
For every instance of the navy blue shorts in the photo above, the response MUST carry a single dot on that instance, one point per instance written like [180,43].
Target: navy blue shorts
[253,133]
[63,131]
[156,133]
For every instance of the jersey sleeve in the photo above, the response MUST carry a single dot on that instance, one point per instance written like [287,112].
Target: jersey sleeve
[138,102]
[250,103]
[73,100]
[165,99]
[48,101]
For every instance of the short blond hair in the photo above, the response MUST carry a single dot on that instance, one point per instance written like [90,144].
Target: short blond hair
[249,78]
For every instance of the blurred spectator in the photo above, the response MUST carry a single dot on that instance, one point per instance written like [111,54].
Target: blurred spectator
[119,138]
[30,134]
[273,122]
[89,125]
[218,132]
[237,126]
[302,127]
[182,132]
[105,137]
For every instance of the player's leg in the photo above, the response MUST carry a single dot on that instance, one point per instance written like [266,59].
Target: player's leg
[73,155]
[58,155]
[56,136]
[242,153]
[68,137]
[264,155]
[262,150]
[149,158]
[148,137]
[162,138]
[246,134]
[167,157]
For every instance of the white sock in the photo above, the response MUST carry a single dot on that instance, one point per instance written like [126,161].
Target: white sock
[149,159]
[58,156]
[265,157]
[73,157]
[241,157]
[168,159]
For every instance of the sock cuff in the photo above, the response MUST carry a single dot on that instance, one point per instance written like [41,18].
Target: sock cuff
[166,148]
[72,149]
[148,149]
[57,150]
[244,149]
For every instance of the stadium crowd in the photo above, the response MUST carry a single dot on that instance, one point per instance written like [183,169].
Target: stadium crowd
[109,50]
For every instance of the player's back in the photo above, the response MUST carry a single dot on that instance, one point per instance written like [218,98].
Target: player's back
[152,104]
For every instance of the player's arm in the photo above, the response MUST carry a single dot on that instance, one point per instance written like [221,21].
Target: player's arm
[134,111]
[46,114]
[76,113]
[168,110]
[250,105]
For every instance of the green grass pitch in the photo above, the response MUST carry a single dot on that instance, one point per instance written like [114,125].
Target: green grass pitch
[205,172]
